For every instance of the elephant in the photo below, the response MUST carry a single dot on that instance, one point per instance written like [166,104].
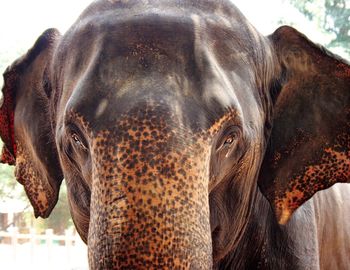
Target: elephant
[187,139]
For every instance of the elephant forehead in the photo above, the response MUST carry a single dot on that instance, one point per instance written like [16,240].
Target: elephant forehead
[160,110]
[125,59]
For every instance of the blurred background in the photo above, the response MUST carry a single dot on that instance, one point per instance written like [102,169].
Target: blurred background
[53,243]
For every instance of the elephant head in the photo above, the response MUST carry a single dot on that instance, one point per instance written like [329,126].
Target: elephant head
[158,116]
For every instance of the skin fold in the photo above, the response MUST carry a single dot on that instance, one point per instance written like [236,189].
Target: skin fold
[187,139]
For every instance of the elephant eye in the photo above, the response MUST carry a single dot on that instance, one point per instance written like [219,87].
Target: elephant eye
[76,139]
[229,140]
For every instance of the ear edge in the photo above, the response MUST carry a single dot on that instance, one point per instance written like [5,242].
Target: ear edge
[287,38]
[45,42]
[7,118]
[336,66]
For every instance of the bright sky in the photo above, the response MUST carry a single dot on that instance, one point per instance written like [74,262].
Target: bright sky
[23,17]
[22,21]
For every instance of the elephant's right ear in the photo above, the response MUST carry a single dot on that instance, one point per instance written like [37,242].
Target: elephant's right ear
[25,124]
[309,146]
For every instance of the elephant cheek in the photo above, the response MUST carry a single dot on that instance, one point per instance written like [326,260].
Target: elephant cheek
[147,217]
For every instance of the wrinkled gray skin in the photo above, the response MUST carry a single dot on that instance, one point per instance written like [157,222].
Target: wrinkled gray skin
[160,116]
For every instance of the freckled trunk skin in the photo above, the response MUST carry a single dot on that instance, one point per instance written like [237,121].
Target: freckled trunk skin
[149,206]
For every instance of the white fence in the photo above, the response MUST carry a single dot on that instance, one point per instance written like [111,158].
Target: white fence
[42,251]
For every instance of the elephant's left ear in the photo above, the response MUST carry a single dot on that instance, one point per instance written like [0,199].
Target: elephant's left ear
[309,148]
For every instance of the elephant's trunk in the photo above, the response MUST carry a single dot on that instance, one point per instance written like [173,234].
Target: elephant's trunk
[149,206]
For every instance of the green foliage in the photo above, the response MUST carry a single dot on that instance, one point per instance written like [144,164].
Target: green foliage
[337,21]
[306,7]
[332,16]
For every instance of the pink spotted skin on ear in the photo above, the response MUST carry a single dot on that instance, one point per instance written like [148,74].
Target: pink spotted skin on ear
[342,71]
[7,119]
[334,167]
